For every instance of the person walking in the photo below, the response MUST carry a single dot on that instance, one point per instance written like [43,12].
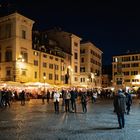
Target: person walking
[128,102]
[120,104]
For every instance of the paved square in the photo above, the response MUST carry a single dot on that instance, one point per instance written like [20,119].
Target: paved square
[36,121]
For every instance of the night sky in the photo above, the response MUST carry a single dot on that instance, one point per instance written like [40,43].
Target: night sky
[112,25]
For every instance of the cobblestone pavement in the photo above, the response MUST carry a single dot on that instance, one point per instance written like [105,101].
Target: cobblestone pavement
[36,121]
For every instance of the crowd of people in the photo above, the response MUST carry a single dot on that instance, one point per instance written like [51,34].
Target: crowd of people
[122,100]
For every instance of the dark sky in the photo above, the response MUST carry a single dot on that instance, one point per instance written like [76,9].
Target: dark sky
[112,25]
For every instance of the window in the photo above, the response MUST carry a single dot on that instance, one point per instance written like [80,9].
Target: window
[76,69]
[135,65]
[35,62]
[35,53]
[8,73]
[56,77]
[75,56]
[127,80]
[8,55]
[50,76]
[44,64]
[119,81]
[23,34]
[23,73]
[56,67]
[35,76]
[51,66]
[44,74]
[76,44]
[82,80]
[126,73]
[44,55]
[24,56]
[134,72]
[135,80]
[8,30]
[76,79]
[82,69]
[56,59]
[51,57]
[82,60]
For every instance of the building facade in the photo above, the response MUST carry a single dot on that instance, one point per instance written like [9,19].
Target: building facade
[16,48]
[22,56]
[49,59]
[91,65]
[70,44]
[125,70]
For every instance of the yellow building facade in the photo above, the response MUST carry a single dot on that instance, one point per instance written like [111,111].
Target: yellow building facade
[19,62]
[126,71]
[16,48]
[91,65]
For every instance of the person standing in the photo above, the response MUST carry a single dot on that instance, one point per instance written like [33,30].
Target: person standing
[119,104]
[22,96]
[48,96]
[73,93]
[56,97]
[84,101]
[67,97]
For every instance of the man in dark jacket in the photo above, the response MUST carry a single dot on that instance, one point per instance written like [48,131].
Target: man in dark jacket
[119,104]
[73,93]
[128,102]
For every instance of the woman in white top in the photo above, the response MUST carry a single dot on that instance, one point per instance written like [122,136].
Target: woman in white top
[56,98]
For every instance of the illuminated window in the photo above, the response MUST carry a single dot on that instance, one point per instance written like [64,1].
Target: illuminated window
[35,53]
[24,56]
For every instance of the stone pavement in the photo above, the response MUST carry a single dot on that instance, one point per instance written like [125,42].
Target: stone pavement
[35,121]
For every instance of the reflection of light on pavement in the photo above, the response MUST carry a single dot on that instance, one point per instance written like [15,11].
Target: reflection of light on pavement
[138,130]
